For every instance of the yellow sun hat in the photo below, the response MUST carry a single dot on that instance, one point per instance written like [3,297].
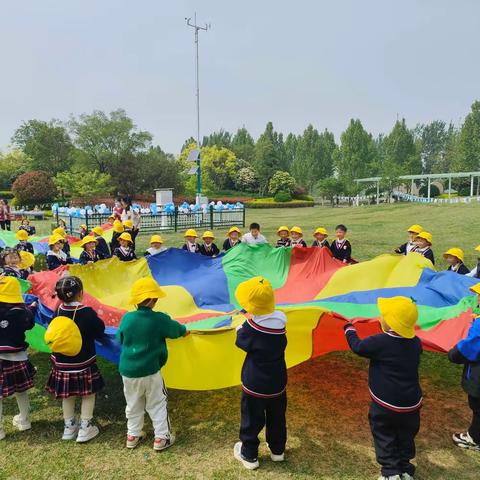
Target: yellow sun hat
[426,236]
[256,296]
[234,229]
[27,259]
[126,236]
[143,289]
[156,239]
[63,336]
[400,314]
[191,233]
[415,229]
[87,239]
[474,289]
[128,224]
[55,238]
[455,252]
[83,226]
[208,234]
[98,231]
[59,231]
[21,235]
[283,228]
[321,231]
[10,291]
[296,230]
[477,248]
[117,226]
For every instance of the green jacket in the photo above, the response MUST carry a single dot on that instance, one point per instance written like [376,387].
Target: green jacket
[142,334]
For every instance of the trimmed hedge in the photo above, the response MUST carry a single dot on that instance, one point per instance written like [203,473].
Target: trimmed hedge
[6,194]
[270,203]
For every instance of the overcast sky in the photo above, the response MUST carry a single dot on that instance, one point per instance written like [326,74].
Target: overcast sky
[289,62]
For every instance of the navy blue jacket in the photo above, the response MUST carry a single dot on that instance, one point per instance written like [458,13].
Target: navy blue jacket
[227,244]
[343,253]
[102,248]
[462,269]
[393,373]
[14,321]
[323,243]
[24,247]
[283,242]
[86,258]
[213,251]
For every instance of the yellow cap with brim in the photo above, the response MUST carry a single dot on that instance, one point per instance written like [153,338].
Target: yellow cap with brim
[143,289]
[156,239]
[234,229]
[126,236]
[55,238]
[59,231]
[63,336]
[128,224]
[426,236]
[208,234]
[400,314]
[477,248]
[10,291]
[256,296]
[21,235]
[191,233]
[455,252]
[475,288]
[83,226]
[296,230]
[415,229]
[321,231]
[27,259]
[283,228]
[98,231]
[87,239]
[118,227]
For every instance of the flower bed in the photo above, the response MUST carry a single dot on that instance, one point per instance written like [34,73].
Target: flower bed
[270,203]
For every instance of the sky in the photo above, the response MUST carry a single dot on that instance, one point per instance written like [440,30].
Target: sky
[290,62]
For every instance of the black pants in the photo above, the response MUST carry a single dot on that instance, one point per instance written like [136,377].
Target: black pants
[5,224]
[394,439]
[474,430]
[257,413]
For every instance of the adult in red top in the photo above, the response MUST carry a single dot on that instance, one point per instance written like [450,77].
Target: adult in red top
[5,215]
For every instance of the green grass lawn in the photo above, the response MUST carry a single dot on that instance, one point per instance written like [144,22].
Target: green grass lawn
[328,399]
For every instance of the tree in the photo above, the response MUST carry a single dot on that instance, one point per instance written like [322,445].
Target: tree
[243,145]
[33,188]
[246,180]
[400,149]
[281,182]
[432,144]
[12,165]
[291,144]
[47,144]
[220,164]
[87,183]
[469,144]
[330,188]
[219,139]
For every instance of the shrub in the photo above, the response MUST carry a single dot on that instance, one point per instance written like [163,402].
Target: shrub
[6,194]
[282,197]
[434,191]
[34,187]
[281,182]
[270,203]
[246,179]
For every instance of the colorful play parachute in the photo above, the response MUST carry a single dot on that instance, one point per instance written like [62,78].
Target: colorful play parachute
[316,291]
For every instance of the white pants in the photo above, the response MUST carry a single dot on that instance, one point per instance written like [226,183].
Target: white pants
[146,394]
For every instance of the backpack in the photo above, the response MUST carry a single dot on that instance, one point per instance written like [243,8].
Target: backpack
[63,336]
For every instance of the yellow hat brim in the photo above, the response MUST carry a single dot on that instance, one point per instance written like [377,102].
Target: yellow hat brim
[391,316]
[27,259]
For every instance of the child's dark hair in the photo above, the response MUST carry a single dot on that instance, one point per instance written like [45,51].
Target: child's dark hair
[341,227]
[255,226]
[68,288]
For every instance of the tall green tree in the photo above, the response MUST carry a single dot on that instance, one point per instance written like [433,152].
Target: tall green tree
[48,145]
[432,138]
[400,150]
[12,164]
[469,143]
[243,145]
[290,145]
[222,138]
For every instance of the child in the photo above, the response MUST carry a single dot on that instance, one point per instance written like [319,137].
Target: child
[117,231]
[61,232]
[15,263]
[128,227]
[90,253]
[233,239]
[16,371]
[284,241]
[83,231]
[77,376]
[125,251]
[23,244]
[341,248]
[25,225]
[320,235]
[56,257]
[297,237]
[394,385]
[454,257]
[467,352]
[142,334]
[254,236]
[264,373]
[423,244]
[102,247]
[191,244]
[413,231]
[156,246]
[209,249]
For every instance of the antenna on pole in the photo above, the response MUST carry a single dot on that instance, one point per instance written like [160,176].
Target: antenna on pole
[197,29]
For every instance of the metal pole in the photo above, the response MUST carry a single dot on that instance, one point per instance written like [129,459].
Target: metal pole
[428,191]
[449,186]
[378,192]
[471,186]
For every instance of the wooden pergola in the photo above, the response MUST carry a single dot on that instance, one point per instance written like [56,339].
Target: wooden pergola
[429,177]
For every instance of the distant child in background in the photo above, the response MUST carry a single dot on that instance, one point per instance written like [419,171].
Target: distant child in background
[23,245]
[407,247]
[156,246]
[76,375]
[454,257]
[56,257]
[297,237]
[394,385]
[467,352]
[233,239]
[90,253]
[254,236]
[423,244]
[142,334]
[341,248]
[110,220]
[320,235]
[61,224]
[16,371]
[209,249]
[117,231]
[13,265]
[191,244]
[102,246]
[264,373]
[25,225]
[125,251]
[283,233]
[83,231]
[117,209]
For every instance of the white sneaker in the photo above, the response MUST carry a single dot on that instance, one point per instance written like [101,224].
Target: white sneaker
[248,464]
[160,444]
[2,433]
[70,430]
[277,458]
[21,424]
[87,431]
[406,476]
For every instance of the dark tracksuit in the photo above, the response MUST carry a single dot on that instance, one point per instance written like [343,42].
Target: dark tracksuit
[396,396]
[264,383]
[462,269]
[467,352]
[342,250]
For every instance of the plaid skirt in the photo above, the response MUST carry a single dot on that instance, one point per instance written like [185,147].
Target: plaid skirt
[65,384]
[15,377]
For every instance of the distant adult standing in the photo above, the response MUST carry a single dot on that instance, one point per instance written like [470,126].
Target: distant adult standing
[129,213]
[5,215]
